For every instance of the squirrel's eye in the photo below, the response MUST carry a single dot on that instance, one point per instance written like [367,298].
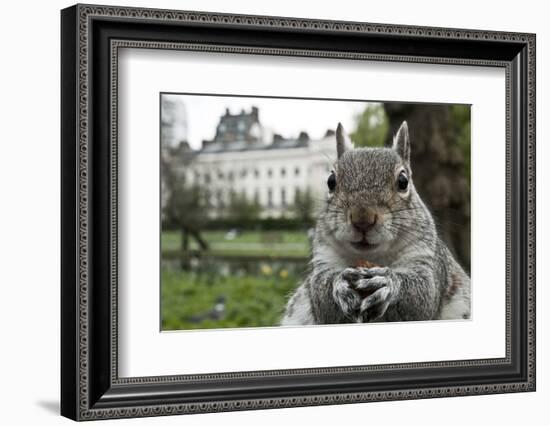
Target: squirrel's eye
[331,181]
[402,181]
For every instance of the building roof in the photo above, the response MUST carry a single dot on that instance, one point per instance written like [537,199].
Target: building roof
[242,132]
[236,132]
[237,127]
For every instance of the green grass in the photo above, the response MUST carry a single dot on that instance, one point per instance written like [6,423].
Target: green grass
[251,301]
[256,298]
[247,244]
[171,239]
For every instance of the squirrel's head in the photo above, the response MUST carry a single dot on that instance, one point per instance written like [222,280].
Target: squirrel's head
[370,196]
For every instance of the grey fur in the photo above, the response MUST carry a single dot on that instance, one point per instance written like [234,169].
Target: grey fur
[343,143]
[401,143]
[418,278]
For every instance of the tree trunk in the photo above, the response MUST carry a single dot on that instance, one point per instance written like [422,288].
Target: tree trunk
[202,243]
[438,171]
[184,240]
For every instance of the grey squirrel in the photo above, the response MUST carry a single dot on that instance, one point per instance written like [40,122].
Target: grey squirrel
[376,254]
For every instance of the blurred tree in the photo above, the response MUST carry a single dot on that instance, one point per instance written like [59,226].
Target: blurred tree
[460,118]
[372,126]
[242,209]
[184,207]
[304,206]
[440,157]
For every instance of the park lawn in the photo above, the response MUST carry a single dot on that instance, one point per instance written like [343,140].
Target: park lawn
[188,299]
[246,243]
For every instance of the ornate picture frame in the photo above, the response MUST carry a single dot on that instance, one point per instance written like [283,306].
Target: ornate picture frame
[91,37]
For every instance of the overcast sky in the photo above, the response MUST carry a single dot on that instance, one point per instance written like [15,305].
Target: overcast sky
[287,117]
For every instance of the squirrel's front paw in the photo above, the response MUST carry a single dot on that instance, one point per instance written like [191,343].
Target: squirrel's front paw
[345,295]
[381,287]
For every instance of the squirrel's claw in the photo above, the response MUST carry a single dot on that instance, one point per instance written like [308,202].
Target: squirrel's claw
[375,305]
[346,297]
[363,294]
[371,284]
[375,271]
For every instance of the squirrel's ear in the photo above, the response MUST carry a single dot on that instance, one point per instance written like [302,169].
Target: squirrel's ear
[343,142]
[402,143]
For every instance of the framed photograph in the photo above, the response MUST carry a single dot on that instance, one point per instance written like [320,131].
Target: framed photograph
[263,212]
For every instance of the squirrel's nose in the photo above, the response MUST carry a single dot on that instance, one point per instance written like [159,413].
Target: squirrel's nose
[363,220]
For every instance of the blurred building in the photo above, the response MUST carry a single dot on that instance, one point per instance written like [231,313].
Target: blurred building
[173,122]
[243,158]
[236,132]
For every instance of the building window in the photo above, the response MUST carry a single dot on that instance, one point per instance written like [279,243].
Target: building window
[243,173]
[232,196]
[269,173]
[269,198]
[230,176]
[283,197]
[220,175]
[297,171]
[256,173]
[297,195]
[207,178]
[283,172]
[207,200]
